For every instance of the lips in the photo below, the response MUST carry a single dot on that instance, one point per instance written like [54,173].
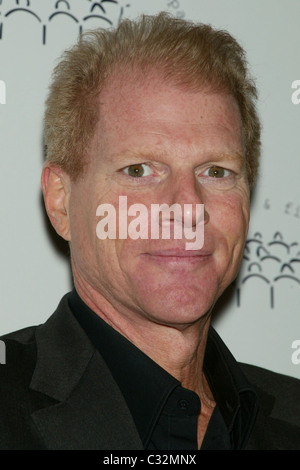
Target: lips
[179,253]
[178,257]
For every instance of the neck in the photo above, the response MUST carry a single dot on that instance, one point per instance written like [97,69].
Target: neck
[179,350]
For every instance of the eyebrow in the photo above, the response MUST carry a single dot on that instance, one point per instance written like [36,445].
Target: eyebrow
[143,155]
[229,156]
[138,154]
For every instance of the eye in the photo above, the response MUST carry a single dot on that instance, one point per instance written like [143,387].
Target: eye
[217,172]
[138,170]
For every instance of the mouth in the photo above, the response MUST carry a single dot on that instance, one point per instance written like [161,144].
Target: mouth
[179,256]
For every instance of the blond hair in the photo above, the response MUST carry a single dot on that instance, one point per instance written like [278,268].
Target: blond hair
[188,55]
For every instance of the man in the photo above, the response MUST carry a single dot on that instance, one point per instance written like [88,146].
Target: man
[159,111]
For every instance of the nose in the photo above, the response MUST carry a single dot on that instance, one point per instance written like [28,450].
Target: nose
[187,192]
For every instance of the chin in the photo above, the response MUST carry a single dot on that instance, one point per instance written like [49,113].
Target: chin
[177,306]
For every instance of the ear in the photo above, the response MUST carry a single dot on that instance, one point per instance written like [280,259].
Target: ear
[56,188]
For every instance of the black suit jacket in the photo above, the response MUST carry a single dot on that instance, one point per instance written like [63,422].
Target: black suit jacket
[56,392]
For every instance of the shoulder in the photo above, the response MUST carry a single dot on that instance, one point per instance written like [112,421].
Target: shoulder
[19,352]
[20,336]
[20,349]
[277,424]
[265,377]
[16,399]
[284,391]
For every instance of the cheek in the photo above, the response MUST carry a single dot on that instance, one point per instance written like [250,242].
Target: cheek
[83,222]
[230,213]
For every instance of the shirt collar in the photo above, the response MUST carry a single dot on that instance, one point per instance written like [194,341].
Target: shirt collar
[146,386]
[233,393]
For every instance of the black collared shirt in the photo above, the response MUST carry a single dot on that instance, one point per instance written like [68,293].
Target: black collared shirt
[165,413]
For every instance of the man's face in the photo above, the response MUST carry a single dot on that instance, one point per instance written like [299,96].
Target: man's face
[154,144]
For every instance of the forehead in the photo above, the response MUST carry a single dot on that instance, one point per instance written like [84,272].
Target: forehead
[137,109]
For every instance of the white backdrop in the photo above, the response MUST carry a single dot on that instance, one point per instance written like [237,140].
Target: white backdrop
[261,317]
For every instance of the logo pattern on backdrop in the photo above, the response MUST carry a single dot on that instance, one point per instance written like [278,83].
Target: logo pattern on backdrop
[271,262]
[105,12]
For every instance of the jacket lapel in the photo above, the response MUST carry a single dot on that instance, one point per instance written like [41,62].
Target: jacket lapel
[90,412]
